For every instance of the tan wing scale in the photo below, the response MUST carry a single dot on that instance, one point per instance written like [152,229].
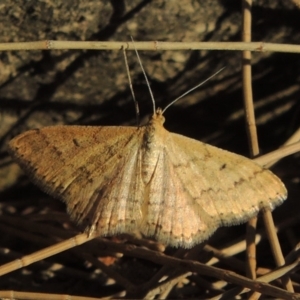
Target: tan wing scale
[92,169]
[172,216]
[229,187]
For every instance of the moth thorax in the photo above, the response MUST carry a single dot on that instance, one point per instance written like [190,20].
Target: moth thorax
[151,149]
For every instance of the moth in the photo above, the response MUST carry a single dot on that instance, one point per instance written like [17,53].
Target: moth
[116,179]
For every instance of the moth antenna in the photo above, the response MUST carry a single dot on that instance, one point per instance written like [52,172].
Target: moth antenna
[136,104]
[146,78]
[190,90]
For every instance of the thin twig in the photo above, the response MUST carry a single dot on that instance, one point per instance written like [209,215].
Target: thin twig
[251,129]
[151,46]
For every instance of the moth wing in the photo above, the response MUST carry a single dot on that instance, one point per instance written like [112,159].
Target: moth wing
[94,170]
[229,187]
[195,188]
[173,217]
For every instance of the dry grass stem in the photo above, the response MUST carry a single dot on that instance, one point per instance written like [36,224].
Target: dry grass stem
[150,46]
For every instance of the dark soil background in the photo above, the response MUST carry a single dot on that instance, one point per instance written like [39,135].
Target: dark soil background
[40,88]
